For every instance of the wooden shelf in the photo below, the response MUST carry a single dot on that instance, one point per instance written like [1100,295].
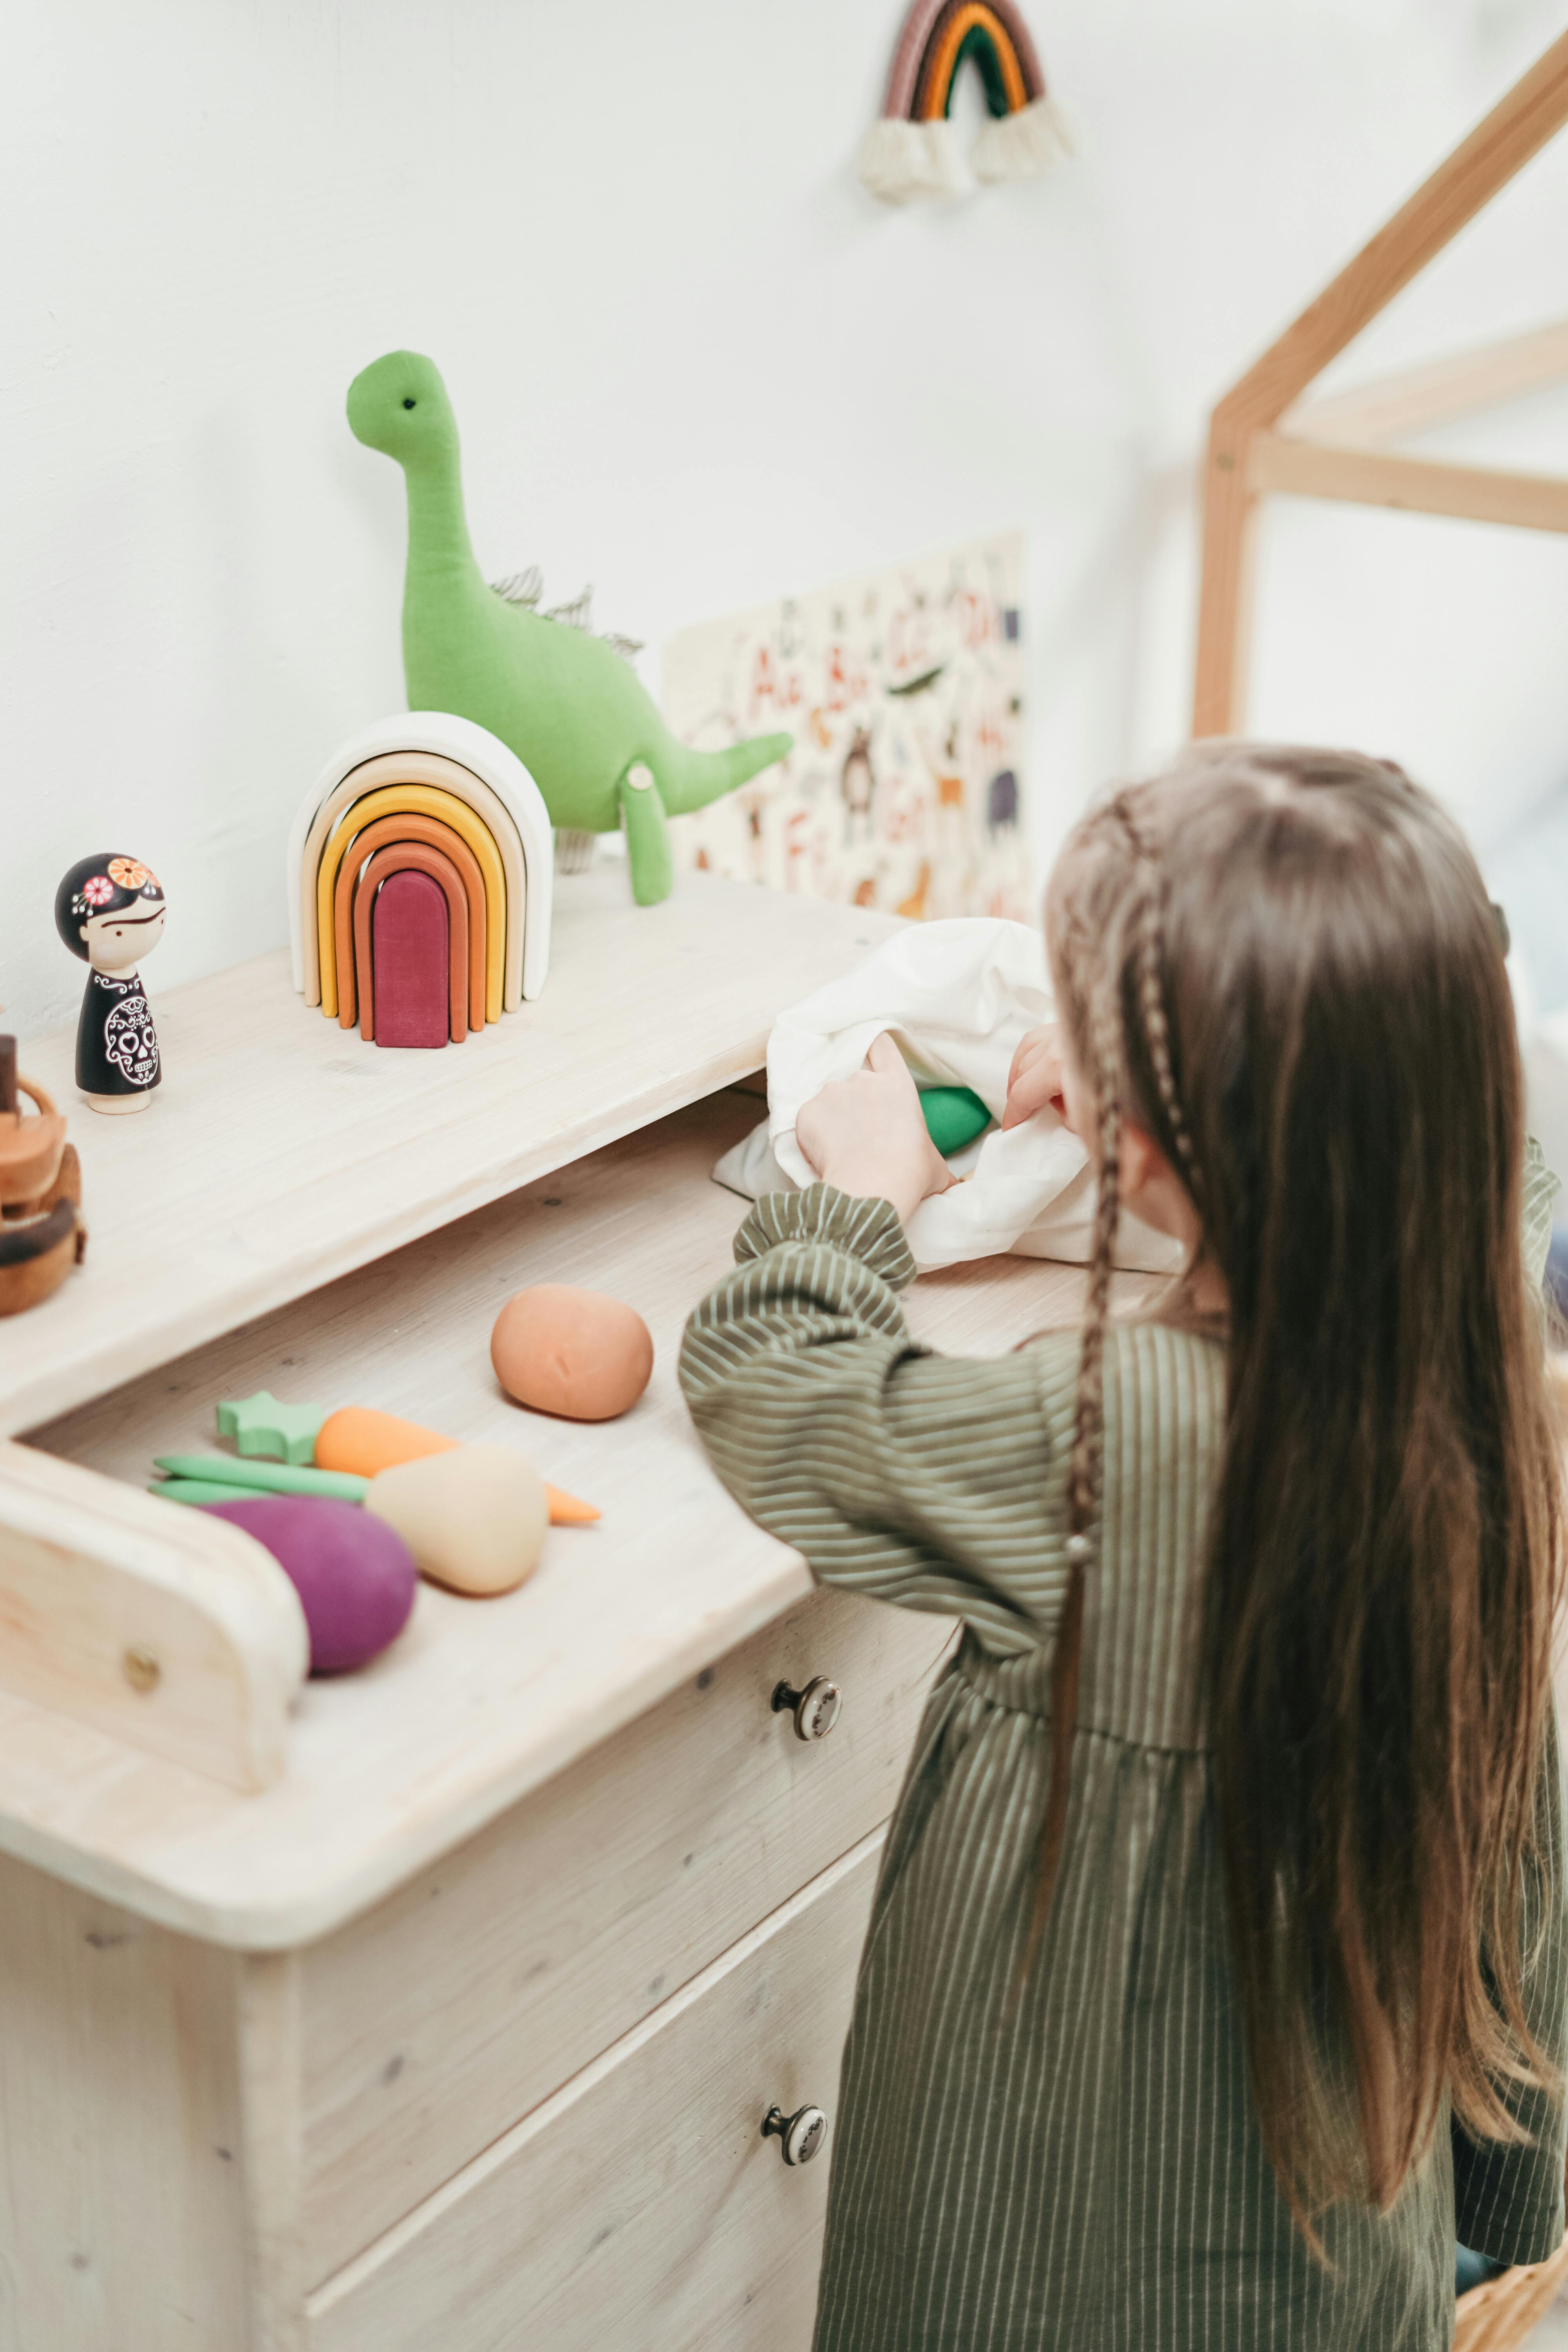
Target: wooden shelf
[479,1702]
[281,1152]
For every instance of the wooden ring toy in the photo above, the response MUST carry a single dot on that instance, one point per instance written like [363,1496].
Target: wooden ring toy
[417,857]
[30,1149]
[408,827]
[38,1252]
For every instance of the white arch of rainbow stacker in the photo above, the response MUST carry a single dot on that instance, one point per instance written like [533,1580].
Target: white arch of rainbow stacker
[427,791]
[1263,438]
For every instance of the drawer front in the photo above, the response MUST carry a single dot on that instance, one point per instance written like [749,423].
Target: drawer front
[440,2019]
[642,2207]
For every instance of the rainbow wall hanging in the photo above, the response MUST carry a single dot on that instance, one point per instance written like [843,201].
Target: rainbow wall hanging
[420,873]
[912,153]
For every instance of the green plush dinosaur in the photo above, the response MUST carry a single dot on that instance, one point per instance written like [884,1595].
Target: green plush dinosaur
[572,710]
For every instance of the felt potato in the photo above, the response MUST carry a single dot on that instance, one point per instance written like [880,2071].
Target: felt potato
[473,1516]
[573,1352]
[356,1578]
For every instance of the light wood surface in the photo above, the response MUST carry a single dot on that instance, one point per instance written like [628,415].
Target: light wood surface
[1461,384]
[121,2227]
[168,1629]
[267,2031]
[1516,129]
[1381,477]
[279,1153]
[642,2207]
[478,1702]
[434,2023]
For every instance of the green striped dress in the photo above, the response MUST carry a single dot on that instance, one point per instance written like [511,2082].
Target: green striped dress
[1082,2170]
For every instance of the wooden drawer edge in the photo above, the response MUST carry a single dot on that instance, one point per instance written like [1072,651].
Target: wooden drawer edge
[501,2152]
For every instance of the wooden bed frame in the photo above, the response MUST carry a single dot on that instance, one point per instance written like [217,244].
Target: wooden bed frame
[1263,438]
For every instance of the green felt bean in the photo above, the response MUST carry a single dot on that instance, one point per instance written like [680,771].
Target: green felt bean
[954,1116]
[198,1490]
[251,1478]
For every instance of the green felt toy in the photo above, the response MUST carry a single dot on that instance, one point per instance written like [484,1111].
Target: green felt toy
[954,1116]
[260,1424]
[262,1478]
[197,1490]
[572,710]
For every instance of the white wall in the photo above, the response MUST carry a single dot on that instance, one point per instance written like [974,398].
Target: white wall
[695,364]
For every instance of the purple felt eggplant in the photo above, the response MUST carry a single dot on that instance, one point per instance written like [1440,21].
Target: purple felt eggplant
[356,1578]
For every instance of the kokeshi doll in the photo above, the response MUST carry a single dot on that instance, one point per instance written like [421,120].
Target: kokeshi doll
[109,910]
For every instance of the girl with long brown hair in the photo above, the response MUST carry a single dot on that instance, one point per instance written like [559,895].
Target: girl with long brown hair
[1217,1969]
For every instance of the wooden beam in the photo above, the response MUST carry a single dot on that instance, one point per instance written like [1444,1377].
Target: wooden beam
[1378,478]
[1500,146]
[1417,398]
[1225,602]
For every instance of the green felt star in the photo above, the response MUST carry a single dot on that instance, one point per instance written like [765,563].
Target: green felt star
[260,1424]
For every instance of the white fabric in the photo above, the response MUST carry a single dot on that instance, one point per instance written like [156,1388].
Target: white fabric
[957,997]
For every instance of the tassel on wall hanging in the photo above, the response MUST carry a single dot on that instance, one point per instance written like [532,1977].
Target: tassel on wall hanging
[912,153]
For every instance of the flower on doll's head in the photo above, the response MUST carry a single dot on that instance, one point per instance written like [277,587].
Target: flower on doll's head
[127,873]
[97,890]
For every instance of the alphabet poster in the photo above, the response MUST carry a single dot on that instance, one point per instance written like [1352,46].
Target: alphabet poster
[904,692]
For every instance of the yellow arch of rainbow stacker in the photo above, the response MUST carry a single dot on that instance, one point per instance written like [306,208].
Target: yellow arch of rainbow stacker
[392,799]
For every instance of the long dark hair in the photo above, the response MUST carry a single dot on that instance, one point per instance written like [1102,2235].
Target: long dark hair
[1283,965]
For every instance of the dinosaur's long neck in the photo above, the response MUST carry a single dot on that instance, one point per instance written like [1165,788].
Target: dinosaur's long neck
[437,529]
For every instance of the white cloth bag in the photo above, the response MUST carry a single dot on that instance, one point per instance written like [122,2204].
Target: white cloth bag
[957,997]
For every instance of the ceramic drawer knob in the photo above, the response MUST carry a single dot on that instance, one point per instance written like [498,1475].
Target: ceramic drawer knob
[815,1709]
[799,2135]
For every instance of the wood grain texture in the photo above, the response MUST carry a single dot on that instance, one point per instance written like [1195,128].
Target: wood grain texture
[642,2207]
[1381,477]
[271,2148]
[260,1173]
[478,1702]
[121,2227]
[436,2022]
[1463,384]
[170,1630]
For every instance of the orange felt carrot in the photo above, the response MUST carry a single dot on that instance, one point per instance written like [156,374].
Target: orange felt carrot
[365,1442]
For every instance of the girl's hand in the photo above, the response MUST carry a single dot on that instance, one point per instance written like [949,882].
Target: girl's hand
[1035,1082]
[867,1134]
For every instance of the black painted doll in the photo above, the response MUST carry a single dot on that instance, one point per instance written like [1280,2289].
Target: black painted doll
[110,911]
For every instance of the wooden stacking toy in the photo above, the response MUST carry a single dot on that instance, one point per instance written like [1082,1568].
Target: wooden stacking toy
[41,1232]
[420,878]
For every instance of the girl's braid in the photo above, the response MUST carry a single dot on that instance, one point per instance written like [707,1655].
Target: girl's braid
[1149,915]
[1108,1055]
[1141,924]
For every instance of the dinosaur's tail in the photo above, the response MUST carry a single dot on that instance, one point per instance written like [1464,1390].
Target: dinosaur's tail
[689,780]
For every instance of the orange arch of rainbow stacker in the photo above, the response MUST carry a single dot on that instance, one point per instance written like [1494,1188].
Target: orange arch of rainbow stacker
[394,799]
[939,37]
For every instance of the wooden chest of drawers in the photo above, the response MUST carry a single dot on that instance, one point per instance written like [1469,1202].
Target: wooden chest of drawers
[459,2029]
